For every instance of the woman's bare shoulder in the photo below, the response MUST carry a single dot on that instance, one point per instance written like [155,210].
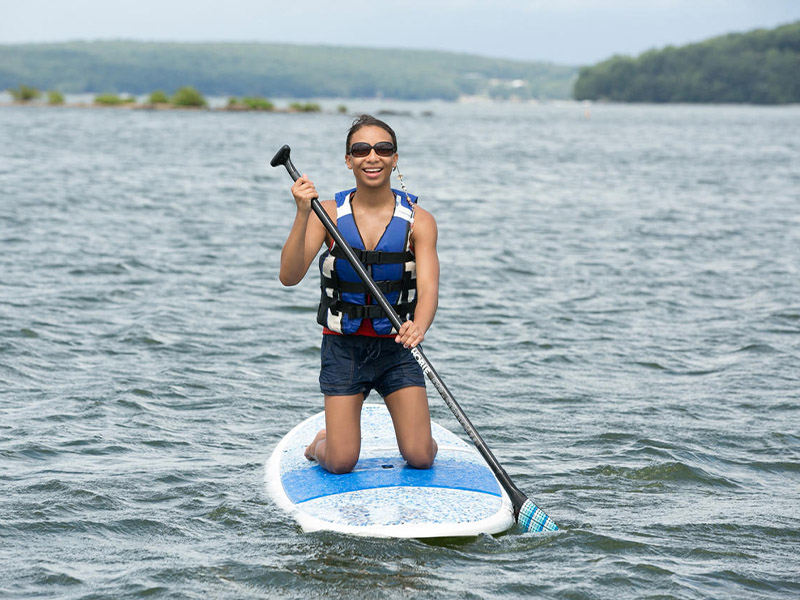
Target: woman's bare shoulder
[423,217]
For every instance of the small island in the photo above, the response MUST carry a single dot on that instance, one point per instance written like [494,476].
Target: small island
[185,97]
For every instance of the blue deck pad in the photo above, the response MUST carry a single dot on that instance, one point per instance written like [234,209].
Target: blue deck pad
[307,484]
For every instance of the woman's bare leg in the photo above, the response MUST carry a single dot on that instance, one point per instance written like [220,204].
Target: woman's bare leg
[412,426]
[336,448]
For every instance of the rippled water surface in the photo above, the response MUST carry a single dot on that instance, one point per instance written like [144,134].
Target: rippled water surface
[619,317]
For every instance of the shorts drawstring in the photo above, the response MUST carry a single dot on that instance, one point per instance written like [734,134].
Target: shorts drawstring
[374,352]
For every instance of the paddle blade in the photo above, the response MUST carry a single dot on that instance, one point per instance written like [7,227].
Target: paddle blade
[533,518]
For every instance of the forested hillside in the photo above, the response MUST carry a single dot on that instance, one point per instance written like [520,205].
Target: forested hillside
[760,67]
[276,70]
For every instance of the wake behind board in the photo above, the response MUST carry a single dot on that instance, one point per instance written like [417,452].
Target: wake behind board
[382,496]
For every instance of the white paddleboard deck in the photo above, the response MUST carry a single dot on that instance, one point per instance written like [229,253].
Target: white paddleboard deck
[382,496]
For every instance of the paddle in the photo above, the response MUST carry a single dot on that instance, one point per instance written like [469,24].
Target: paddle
[529,516]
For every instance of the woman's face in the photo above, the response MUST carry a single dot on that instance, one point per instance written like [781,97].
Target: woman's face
[372,170]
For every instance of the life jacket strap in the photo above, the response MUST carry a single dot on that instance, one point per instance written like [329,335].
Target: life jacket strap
[358,287]
[370,311]
[375,257]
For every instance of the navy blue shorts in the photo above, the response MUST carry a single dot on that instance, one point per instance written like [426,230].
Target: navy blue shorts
[353,364]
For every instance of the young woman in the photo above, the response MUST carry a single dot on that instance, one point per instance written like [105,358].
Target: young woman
[396,241]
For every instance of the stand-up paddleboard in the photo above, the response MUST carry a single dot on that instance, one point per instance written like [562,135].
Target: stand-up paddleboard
[382,496]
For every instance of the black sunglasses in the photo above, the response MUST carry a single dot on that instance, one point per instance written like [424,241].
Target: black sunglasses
[362,149]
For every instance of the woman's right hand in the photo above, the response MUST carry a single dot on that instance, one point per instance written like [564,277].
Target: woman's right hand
[303,191]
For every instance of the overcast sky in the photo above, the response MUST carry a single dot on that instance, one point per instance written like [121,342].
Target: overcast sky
[561,31]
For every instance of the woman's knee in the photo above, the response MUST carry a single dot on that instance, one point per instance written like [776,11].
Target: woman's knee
[420,461]
[340,463]
[421,457]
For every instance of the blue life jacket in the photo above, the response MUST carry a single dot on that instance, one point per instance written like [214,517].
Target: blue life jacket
[345,301]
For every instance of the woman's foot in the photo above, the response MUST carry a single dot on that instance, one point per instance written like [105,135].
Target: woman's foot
[310,452]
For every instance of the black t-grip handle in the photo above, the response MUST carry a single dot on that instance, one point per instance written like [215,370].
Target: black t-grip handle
[282,158]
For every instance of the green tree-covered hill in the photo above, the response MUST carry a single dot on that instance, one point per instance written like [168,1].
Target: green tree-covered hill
[276,70]
[759,67]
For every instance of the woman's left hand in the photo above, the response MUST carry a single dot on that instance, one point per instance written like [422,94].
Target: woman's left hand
[409,335]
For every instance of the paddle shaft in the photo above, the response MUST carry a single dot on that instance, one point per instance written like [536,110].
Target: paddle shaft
[514,493]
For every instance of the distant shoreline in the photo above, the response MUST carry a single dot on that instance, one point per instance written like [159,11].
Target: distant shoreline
[147,107]
[277,70]
[153,107]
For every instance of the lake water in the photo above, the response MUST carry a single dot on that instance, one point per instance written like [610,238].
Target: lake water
[619,317]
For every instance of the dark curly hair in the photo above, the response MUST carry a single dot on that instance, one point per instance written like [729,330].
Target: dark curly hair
[368,121]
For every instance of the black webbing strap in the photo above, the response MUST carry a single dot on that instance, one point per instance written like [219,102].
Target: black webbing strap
[375,257]
[358,287]
[371,311]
